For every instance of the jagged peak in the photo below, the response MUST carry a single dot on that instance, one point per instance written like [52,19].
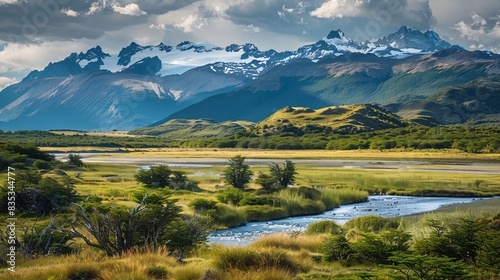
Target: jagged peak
[93,53]
[134,44]
[162,47]
[234,48]
[336,34]
[404,29]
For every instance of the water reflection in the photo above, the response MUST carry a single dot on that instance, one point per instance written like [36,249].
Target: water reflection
[384,206]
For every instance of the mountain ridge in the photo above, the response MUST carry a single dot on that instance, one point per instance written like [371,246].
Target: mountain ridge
[142,83]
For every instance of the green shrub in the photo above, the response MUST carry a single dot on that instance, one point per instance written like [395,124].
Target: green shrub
[254,200]
[337,248]
[41,164]
[202,204]
[231,196]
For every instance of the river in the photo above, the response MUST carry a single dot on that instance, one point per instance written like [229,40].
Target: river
[384,206]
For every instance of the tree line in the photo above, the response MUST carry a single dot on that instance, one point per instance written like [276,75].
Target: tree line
[472,139]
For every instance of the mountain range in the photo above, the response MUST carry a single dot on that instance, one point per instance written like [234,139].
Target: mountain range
[142,85]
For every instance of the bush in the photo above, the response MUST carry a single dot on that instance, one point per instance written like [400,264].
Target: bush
[161,176]
[254,200]
[231,196]
[337,248]
[41,164]
[201,204]
[75,160]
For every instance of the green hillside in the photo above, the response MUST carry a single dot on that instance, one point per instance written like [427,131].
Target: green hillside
[187,129]
[475,102]
[345,119]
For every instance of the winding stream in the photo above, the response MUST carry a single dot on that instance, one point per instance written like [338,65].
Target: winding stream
[384,206]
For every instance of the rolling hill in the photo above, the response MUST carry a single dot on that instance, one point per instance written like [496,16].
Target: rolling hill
[345,119]
[188,129]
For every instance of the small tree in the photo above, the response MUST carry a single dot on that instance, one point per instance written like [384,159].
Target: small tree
[238,174]
[155,177]
[75,160]
[113,231]
[284,173]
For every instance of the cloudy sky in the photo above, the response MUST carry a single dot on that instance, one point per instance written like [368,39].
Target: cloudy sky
[35,32]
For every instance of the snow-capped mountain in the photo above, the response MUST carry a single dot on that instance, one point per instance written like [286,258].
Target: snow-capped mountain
[142,84]
[403,43]
[245,60]
[406,38]
[184,56]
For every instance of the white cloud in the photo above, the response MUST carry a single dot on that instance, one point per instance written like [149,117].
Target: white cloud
[478,30]
[251,29]
[96,7]
[339,9]
[5,82]
[69,12]
[4,2]
[159,26]
[18,57]
[131,9]
[191,23]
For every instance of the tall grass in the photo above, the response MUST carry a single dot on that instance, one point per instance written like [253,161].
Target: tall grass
[300,201]
[259,274]
[229,216]
[403,182]
[335,197]
[289,242]
[132,265]
[189,272]
[323,227]
[253,258]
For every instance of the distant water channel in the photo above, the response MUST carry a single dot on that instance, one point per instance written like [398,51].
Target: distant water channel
[384,206]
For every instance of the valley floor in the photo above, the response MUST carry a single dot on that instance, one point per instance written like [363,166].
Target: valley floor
[394,154]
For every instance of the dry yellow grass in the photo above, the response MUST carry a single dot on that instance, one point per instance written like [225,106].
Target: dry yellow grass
[290,154]
[290,242]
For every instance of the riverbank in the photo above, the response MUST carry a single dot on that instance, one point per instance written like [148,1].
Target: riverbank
[386,206]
